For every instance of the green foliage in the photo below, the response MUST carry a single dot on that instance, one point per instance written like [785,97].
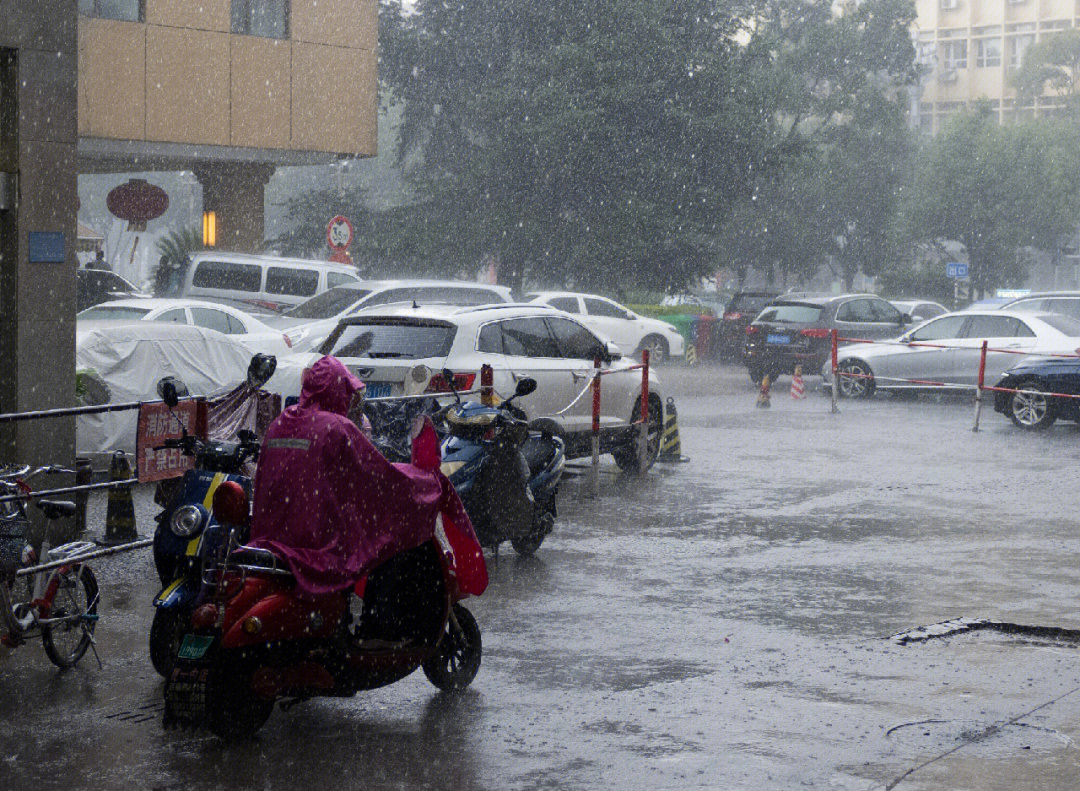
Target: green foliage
[175,248]
[996,189]
[1054,64]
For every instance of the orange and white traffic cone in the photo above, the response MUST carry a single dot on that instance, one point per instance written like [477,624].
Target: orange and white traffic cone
[763,396]
[797,390]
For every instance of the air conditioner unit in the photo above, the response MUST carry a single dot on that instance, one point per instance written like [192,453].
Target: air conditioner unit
[949,75]
[1017,2]
[950,5]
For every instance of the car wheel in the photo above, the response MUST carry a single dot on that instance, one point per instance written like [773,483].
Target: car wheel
[859,383]
[1031,411]
[626,456]
[658,349]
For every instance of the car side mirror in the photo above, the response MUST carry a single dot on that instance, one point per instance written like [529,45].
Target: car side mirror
[171,390]
[260,370]
[906,319]
[612,352]
[524,386]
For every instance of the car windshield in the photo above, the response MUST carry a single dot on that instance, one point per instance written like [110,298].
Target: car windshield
[394,339]
[328,304]
[1063,324]
[112,313]
[791,314]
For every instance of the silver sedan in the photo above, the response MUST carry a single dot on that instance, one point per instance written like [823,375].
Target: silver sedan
[946,351]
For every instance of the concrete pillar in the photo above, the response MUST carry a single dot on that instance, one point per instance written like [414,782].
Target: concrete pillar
[235,191]
[38,106]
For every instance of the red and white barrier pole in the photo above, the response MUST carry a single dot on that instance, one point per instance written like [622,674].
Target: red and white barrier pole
[979,389]
[643,427]
[596,428]
[487,385]
[835,371]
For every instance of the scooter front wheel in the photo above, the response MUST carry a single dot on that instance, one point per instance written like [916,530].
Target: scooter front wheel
[457,658]
[543,523]
[166,632]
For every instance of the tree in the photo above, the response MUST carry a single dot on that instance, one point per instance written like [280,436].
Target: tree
[1054,64]
[996,189]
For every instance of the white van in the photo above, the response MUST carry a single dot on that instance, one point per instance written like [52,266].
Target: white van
[261,279]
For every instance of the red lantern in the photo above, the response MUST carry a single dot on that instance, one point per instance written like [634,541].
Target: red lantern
[138,202]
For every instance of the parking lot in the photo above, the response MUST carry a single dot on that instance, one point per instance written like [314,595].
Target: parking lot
[722,623]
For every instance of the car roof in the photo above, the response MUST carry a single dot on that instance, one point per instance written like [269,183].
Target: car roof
[1042,295]
[548,294]
[451,312]
[154,303]
[375,285]
[269,260]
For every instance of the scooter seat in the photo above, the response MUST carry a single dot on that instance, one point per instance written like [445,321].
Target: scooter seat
[56,509]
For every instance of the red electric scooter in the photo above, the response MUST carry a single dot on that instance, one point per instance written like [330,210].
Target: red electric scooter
[254,642]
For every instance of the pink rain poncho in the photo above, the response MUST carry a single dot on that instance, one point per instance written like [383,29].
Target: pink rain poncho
[332,506]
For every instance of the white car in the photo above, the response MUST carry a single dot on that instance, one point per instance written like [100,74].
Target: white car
[309,323]
[401,350]
[611,320]
[239,326]
[919,309]
[952,351]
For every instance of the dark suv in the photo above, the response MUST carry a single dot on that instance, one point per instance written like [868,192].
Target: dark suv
[796,330]
[94,286]
[742,309]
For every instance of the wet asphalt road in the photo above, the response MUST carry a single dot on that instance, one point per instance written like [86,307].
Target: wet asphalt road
[718,624]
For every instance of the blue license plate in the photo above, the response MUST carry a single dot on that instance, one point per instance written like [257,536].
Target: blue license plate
[194,646]
[378,389]
[783,339]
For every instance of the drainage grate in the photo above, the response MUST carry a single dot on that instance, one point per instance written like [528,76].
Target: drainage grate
[145,713]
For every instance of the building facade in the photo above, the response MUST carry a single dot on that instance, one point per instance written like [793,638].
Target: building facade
[226,89]
[970,49]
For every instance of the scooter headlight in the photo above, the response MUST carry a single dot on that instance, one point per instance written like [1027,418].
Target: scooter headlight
[187,520]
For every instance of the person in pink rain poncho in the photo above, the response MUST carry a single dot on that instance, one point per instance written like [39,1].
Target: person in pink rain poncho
[330,505]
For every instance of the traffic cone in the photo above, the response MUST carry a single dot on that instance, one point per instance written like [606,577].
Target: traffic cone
[120,513]
[670,444]
[763,395]
[797,390]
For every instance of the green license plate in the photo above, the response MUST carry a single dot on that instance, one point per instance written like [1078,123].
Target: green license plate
[194,646]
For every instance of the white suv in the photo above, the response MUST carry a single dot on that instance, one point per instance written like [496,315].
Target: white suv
[611,320]
[401,350]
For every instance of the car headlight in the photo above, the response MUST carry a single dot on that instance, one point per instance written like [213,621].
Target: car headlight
[187,520]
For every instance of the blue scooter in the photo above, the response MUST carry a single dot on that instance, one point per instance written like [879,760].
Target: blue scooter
[188,537]
[506,475]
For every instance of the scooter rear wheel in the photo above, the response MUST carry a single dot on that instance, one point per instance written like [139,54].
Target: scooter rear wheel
[543,523]
[234,712]
[457,659]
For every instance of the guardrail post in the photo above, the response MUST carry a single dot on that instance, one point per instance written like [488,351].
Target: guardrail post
[979,389]
[835,371]
[596,428]
[643,427]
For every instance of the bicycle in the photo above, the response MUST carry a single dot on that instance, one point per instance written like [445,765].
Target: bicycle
[60,603]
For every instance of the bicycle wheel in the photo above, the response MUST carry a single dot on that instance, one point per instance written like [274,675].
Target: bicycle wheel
[76,595]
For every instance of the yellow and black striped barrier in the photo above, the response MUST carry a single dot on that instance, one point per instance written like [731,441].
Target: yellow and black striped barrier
[670,444]
[120,511]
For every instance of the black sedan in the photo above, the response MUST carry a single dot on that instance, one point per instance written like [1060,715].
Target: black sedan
[1045,375]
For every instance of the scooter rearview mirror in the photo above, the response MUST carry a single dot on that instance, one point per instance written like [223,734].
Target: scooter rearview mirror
[260,370]
[525,386]
[171,390]
[448,377]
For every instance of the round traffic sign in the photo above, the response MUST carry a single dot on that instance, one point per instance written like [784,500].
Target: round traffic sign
[339,233]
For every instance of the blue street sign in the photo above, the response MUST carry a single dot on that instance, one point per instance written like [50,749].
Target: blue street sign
[956,270]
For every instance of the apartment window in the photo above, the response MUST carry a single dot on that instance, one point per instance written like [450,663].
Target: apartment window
[925,52]
[952,32]
[1019,46]
[1055,24]
[266,18]
[954,54]
[987,52]
[124,10]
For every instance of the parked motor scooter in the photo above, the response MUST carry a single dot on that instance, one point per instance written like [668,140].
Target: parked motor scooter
[188,537]
[506,475]
[256,641]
